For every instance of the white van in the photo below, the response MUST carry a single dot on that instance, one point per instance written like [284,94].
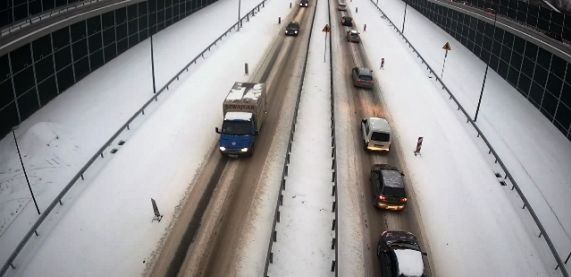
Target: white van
[341,5]
[376,134]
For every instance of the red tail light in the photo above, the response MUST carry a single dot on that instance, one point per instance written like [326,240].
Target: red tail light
[404,199]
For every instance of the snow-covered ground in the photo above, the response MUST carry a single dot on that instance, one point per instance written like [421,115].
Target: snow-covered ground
[307,208]
[471,226]
[535,152]
[470,199]
[178,137]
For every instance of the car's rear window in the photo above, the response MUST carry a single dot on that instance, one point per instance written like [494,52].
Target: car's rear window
[392,178]
[366,77]
[380,136]
[395,192]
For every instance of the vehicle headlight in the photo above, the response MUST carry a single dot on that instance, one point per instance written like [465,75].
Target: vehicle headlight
[295,32]
[244,149]
[222,148]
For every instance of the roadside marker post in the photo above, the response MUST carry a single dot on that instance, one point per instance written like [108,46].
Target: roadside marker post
[326,29]
[158,215]
[446,47]
[418,146]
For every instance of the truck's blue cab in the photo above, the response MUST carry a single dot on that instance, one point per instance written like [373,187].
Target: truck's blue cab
[238,134]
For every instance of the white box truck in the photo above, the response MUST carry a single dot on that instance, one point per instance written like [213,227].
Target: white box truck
[244,111]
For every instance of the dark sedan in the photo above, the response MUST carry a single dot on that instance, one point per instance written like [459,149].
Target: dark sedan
[292,29]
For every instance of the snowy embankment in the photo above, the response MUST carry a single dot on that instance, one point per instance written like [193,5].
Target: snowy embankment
[538,159]
[304,232]
[106,228]
[470,226]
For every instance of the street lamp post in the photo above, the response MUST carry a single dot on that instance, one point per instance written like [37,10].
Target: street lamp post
[153,66]
[239,22]
[404,17]
[25,174]
[487,67]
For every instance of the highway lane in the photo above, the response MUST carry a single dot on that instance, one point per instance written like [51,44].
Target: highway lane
[205,239]
[364,103]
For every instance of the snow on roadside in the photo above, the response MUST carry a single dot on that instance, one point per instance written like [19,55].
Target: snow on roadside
[304,232]
[536,153]
[107,230]
[471,229]
[57,140]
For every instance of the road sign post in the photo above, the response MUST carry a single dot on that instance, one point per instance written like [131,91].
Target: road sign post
[418,146]
[326,29]
[158,215]
[446,47]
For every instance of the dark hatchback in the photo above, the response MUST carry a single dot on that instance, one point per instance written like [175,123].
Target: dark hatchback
[347,21]
[292,29]
[304,3]
[387,187]
[362,77]
[399,255]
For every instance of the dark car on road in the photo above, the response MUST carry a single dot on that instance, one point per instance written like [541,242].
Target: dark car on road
[347,21]
[292,29]
[387,187]
[304,3]
[353,36]
[399,255]
[362,77]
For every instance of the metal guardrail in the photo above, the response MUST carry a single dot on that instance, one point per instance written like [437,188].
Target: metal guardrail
[544,20]
[543,233]
[269,253]
[99,154]
[37,17]
[333,147]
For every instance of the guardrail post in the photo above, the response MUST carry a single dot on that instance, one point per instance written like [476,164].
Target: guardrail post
[275,235]
[333,243]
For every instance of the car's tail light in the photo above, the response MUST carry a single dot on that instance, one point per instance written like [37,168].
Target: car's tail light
[404,199]
[382,197]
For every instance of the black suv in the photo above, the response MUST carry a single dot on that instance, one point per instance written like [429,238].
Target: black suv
[387,186]
[400,255]
[292,29]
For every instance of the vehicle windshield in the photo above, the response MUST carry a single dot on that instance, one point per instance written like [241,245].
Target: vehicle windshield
[380,136]
[237,127]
